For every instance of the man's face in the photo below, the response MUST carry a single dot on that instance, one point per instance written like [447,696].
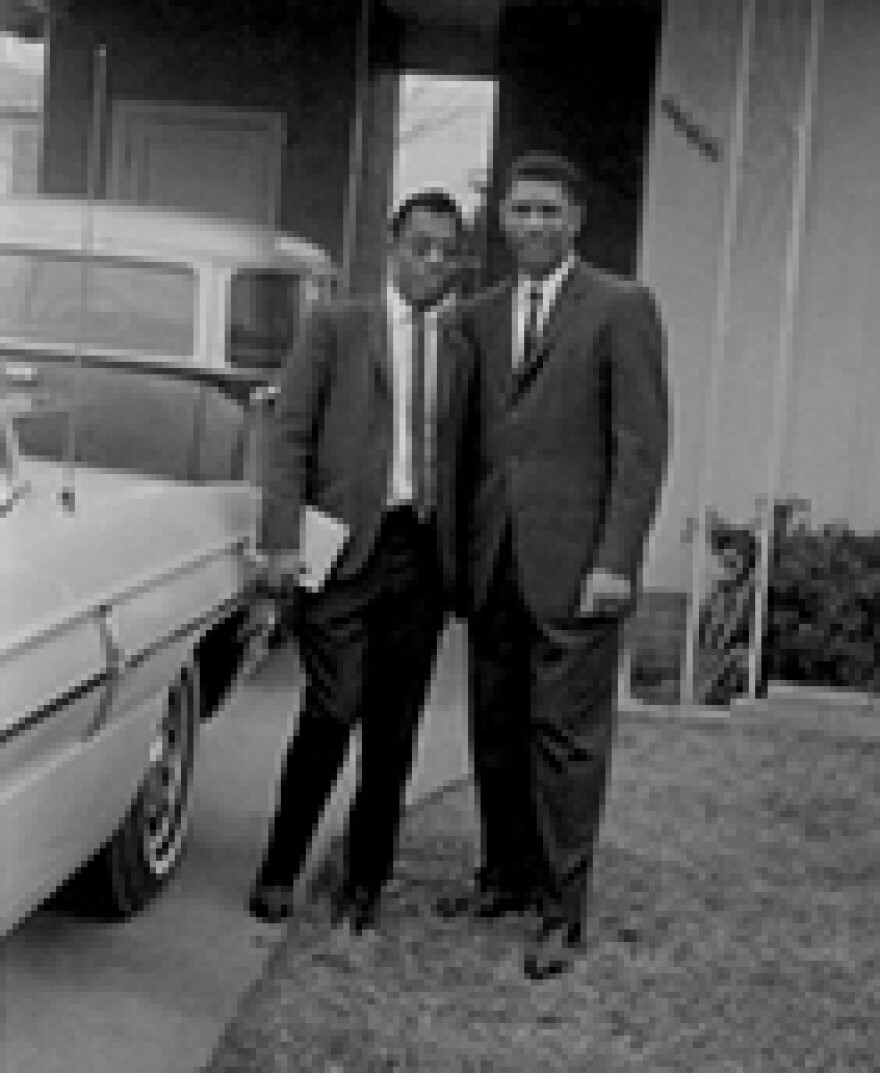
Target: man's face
[540,221]
[425,256]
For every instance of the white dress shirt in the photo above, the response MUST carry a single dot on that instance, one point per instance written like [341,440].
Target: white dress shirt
[400,323]
[400,334]
[550,287]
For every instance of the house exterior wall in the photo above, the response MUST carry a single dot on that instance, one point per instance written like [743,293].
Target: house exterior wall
[833,443]
[831,438]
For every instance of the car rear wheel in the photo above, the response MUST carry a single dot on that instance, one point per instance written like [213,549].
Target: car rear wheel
[140,858]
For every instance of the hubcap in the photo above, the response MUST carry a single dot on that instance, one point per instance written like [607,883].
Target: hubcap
[166,794]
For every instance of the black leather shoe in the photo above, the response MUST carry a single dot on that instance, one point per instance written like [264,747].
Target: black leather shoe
[270,904]
[357,908]
[557,949]
[364,914]
[487,899]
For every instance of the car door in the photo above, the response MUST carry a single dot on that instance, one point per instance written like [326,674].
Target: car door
[53,682]
[71,758]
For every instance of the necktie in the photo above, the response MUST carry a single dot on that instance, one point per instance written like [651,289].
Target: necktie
[530,332]
[417,418]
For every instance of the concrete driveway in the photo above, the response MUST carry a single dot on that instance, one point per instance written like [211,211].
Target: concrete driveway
[153,994]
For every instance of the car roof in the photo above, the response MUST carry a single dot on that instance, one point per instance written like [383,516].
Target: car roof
[142,232]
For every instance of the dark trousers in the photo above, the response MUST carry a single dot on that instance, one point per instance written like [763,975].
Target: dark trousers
[367,646]
[542,725]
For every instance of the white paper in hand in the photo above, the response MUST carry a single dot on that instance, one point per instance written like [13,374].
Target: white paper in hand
[321,540]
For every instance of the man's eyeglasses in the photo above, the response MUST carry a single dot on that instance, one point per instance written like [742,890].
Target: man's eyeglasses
[426,249]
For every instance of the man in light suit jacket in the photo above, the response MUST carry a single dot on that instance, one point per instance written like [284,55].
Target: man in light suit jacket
[370,430]
[572,456]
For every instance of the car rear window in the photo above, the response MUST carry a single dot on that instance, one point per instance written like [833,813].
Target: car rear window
[264,315]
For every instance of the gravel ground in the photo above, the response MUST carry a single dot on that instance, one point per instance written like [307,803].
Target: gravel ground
[735,927]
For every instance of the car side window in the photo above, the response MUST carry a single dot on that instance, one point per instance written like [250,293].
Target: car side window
[118,305]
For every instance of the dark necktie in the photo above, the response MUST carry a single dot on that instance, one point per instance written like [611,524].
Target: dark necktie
[421,491]
[531,333]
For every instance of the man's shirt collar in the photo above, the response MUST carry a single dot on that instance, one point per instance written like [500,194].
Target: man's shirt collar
[550,285]
[400,308]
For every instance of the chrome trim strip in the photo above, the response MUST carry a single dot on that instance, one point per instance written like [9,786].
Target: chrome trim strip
[141,584]
[102,678]
[227,608]
[240,379]
[46,711]
[53,350]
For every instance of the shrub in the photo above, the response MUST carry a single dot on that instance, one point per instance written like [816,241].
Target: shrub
[823,605]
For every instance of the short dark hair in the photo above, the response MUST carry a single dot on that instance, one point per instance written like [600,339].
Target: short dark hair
[551,167]
[438,201]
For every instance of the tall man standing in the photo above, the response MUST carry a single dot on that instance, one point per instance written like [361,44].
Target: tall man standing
[369,430]
[573,453]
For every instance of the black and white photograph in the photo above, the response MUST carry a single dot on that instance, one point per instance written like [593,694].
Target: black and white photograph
[439,536]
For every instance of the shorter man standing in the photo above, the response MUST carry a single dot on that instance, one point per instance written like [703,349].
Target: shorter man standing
[369,430]
[572,457]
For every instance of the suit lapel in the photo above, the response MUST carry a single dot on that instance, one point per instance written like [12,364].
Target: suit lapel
[378,339]
[446,370]
[499,344]
[563,309]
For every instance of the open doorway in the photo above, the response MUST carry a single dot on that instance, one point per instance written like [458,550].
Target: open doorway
[444,139]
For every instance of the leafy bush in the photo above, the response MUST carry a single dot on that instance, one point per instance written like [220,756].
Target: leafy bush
[823,607]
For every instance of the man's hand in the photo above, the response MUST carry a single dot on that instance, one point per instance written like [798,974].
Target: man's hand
[272,590]
[282,574]
[273,575]
[604,593]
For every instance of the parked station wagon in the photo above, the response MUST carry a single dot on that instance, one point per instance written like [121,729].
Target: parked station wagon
[136,349]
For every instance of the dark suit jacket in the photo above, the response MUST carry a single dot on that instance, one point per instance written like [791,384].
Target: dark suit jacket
[573,447]
[330,440]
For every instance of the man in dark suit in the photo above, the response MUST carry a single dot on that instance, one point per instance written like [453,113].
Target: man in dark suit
[369,430]
[572,457]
